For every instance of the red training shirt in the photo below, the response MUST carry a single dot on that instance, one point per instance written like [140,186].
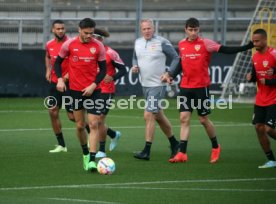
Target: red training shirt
[83,61]
[195,58]
[266,95]
[111,55]
[52,48]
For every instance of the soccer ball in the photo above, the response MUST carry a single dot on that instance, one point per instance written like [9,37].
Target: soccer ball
[106,166]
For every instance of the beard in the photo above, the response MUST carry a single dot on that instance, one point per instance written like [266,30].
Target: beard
[59,37]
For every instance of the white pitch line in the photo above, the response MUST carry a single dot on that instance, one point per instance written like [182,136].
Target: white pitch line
[119,127]
[136,183]
[190,189]
[23,111]
[81,200]
[110,115]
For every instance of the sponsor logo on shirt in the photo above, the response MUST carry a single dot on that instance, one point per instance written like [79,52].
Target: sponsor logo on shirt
[261,73]
[191,56]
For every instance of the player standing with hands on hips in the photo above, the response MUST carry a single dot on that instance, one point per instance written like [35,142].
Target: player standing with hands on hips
[264,73]
[195,54]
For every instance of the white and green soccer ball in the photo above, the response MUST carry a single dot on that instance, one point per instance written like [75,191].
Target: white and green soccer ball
[106,166]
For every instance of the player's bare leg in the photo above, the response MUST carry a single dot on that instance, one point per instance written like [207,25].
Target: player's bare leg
[97,129]
[102,139]
[270,131]
[164,123]
[166,127]
[262,133]
[80,126]
[70,116]
[56,125]
[149,118]
[55,121]
[210,129]
[262,137]
[208,125]
[181,156]
[79,116]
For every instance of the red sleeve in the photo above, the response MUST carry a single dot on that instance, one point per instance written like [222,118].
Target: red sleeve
[273,53]
[211,45]
[114,56]
[64,50]
[102,52]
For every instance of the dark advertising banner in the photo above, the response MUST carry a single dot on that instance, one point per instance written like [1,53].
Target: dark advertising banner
[23,74]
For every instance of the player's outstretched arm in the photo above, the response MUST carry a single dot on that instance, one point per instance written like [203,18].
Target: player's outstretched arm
[236,49]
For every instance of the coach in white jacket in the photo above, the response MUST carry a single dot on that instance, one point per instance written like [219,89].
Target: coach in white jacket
[149,59]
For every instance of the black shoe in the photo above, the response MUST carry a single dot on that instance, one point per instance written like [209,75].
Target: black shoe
[174,149]
[142,155]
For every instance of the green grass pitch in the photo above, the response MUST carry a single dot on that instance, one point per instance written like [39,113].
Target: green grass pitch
[29,174]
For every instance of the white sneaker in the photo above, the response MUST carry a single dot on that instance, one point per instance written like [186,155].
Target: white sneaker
[100,154]
[114,141]
[269,164]
[58,149]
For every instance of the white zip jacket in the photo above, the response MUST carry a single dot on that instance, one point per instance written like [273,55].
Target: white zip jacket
[150,56]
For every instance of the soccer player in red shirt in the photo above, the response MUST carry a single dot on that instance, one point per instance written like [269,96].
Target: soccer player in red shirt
[52,49]
[195,54]
[86,55]
[264,73]
[113,61]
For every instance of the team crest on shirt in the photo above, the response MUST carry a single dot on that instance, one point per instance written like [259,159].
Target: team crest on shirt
[93,50]
[197,47]
[75,58]
[265,63]
[153,46]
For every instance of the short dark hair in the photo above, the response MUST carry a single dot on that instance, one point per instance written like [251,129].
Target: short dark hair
[192,22]
[261,32]
[101,33]
[87,23]
[57,22]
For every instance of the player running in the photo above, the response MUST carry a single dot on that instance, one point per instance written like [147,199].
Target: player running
[264,73]
[86,56]
[107,86]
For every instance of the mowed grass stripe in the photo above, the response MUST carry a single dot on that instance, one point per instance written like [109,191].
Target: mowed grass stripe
[119,127]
